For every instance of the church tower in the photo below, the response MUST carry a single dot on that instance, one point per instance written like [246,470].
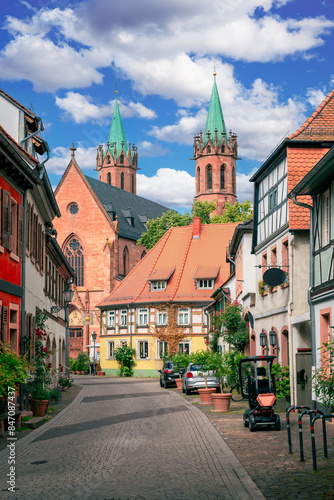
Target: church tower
[117,165]
[215,156]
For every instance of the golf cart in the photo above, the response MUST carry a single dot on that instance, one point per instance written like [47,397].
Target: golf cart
[258,386]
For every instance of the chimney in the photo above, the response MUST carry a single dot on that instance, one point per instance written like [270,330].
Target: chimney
[196,227]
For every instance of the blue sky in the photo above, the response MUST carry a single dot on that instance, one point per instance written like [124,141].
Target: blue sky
[274,66]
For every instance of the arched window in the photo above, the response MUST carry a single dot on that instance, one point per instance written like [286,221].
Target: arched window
[109,160]
[75,256]
[122,180]
[125,261]
[223,149]
[198,180]
[121,159]
[234,189]
[143,254]
[133,183]
[209,177]
[208,149]
[109,178]
[222,177]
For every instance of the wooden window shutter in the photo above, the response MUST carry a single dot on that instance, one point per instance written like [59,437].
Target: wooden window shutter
[31,232]
[27,226]
[4,323]
[43,252]
[20,231]
[6,220]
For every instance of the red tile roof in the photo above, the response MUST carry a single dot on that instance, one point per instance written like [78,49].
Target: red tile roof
[180,250]
[320,125]
[300,162]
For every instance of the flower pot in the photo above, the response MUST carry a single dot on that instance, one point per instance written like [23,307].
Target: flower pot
[178,383]
[39,407]
[221,402]
[82,372]
[101,374]
[206,396]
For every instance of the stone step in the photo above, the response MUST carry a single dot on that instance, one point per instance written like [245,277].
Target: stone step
[34,422]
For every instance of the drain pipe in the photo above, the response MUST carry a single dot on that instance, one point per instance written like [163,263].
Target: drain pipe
[39,129]
[23,285]
[311,270]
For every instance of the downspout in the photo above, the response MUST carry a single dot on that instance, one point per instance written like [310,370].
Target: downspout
[23,285]
[40,129]
[291,343]
[311,271]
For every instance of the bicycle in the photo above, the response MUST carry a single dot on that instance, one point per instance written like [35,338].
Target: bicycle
[236,393]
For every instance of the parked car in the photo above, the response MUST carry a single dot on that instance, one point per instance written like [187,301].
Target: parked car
[168,375]
[192,380]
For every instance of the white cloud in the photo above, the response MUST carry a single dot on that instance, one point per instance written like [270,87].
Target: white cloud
[316,96]
[245,189]
[60,158]
[81,109]
[168,186]
[183,130]
[146,148]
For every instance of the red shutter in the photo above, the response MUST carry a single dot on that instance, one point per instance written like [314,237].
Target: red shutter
[20,231]
[6,220]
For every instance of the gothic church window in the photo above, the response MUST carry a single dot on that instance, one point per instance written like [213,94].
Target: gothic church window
[108,178]
[125,261]
[222,177]
[75,256]
[209,177]
[198,179]
[121,160]
[234,189]
[122,180]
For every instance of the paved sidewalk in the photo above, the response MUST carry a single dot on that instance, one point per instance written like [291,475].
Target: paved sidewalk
[127,439]
[265,454]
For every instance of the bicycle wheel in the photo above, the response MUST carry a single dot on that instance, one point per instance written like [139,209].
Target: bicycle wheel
[236,393]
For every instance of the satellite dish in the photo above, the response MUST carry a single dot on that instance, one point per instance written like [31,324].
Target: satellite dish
[274,276]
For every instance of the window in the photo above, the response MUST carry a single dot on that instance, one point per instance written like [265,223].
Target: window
[14,326]
[11,224]
[209,177]
[125,261]
[122,179]
[142,317]
[110,349]
[183,317]
[158,285]
[121,160]
[124,317]
[273,199]
[198,180]
[205,284]
[109,175]
[222,177]
[325,216]
[75,256]
[161,318]
[234,187]
[143,254]
[273,259]
[264,263]
[162,349]
[132,183]
[73,208]
[209,149]
[111,319]
[143,349]
[184,347]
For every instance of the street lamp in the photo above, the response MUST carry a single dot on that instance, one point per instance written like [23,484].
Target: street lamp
[68,296]
[94,340]
[263,341]
[273,339]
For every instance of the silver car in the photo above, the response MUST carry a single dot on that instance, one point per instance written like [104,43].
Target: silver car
[192,380]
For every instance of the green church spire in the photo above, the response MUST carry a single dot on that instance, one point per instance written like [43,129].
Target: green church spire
[116,133]
[215,118]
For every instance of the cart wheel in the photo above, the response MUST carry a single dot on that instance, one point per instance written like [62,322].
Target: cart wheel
[252,425]
[246,423]
[277,423]
[161,384]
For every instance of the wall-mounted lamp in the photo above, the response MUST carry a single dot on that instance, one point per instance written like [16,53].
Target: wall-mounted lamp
[263,341]
[273,339]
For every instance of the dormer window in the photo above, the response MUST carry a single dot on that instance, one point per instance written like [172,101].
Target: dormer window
[205,278]
[158,280]
[158,285]
[205,284]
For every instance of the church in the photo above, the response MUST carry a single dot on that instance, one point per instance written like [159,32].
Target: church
[103,218]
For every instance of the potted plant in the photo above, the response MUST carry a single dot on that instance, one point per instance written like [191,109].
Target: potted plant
[41,377]
[180,361]
[323,378]
[124,357]
[99,370]
[207,360]
[222,400]
[83,362]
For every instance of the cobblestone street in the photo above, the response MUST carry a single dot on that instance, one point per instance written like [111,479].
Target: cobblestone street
[127,439]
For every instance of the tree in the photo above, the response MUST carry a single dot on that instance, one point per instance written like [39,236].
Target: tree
[156,228]
[230,324]
[203,210]
[239,212]
[172,332]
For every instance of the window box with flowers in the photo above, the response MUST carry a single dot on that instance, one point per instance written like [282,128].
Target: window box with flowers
[263,288]
[286,281]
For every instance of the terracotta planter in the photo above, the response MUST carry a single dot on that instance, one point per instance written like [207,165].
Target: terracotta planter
[221,402]
[39,407]
[101,374]
[178,383]
[206,396]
